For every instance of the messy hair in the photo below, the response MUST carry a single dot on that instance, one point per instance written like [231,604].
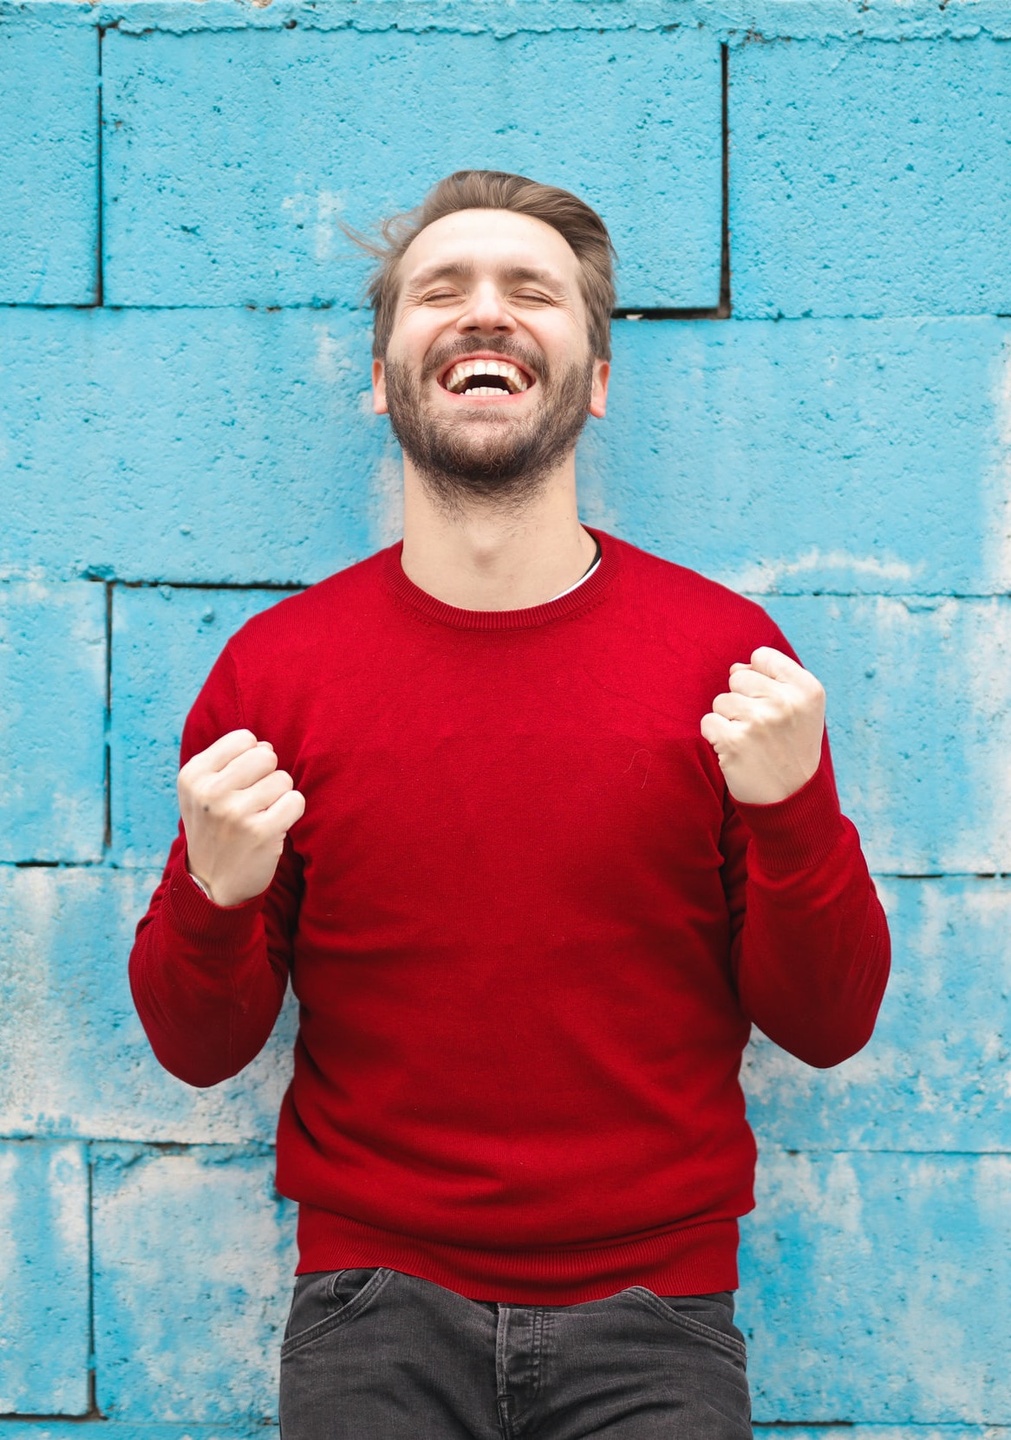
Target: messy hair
[574,220]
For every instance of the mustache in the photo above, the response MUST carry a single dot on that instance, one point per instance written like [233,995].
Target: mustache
[531,360]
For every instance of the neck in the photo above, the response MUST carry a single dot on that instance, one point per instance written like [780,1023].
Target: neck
[480,556]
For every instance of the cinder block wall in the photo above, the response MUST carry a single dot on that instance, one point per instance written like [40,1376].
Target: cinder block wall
[812,402]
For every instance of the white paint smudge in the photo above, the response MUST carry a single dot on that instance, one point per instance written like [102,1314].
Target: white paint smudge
[34,592]
[9,1257]
[333,364]
[33,573]
[67,1187]
[329,208]
[984,660]
[764,577]
[29,1083]
[595,505]
[224,1262]
[319,212]
[386,499]
[998,480]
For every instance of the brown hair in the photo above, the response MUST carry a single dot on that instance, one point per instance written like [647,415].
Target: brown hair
[574,220]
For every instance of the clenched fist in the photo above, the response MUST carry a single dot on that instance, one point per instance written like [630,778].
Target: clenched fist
[767,731]
[236,807]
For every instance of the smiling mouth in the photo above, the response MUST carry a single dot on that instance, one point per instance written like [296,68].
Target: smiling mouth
[485,377]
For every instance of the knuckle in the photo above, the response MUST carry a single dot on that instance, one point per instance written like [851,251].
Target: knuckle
[197,791]
[229,809]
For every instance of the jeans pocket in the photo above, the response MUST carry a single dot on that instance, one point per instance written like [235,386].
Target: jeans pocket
[709,1317]
[326,1299]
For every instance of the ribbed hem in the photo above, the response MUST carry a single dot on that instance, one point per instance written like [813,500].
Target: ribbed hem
[583,597]
[799,832]
[691,1260]
[196,916]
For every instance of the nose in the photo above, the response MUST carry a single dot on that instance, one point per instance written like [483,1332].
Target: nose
[486,311]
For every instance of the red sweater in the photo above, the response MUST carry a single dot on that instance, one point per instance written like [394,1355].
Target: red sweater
[527,929]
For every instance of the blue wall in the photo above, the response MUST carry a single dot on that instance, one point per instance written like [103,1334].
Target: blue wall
[184,434]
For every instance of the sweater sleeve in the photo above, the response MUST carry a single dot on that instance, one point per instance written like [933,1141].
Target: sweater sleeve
[208,982]
[810,940]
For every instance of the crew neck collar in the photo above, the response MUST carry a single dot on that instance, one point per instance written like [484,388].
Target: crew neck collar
[582,597]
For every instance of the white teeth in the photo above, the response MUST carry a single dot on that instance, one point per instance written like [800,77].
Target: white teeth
[461,373]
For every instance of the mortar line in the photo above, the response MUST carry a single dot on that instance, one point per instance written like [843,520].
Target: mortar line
[252,1149]
[100,186]
[155,866]
[724,307]
[702,312]
[270,585]
[907,596]
[93,1411]
[107,728]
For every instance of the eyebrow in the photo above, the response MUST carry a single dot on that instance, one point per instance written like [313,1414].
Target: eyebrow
[466,270]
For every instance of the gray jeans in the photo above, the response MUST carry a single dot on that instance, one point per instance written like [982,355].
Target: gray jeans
[377,1355]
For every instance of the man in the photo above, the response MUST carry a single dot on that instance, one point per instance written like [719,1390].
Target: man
[531,884]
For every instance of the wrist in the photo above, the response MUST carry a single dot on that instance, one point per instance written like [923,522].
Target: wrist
[204,887]
[200,884]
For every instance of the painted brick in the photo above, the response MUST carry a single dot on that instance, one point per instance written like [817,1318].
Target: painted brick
[834,455]
[871,178]
[52,733]
[846,1431]
[206,445]
[73,1057]
[117,1430]
[231,158]
[873,1289]
[935,1075]
[114,1430]
[48,164]
[205,1233]
[165,641]
[790,457]
[919,707]
[43,1279]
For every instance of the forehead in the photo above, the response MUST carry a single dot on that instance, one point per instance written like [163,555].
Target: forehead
[489,241]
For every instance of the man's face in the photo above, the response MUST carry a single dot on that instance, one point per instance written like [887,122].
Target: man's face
[488,376]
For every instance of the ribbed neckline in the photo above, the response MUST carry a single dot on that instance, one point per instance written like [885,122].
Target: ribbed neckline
[582,598]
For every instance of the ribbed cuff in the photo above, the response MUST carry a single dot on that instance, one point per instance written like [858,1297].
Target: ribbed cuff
[799,832]
[196,916]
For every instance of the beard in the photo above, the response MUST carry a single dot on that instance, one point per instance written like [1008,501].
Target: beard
[488,454]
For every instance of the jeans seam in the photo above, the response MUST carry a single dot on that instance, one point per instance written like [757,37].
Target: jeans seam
[340,1317]
[656,1304]
[502,1397]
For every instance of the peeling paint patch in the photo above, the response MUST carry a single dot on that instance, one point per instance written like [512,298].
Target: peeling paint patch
[997,479]
[768,576]
[222,1271]
[44,1279]
[386,497]
[894,1323]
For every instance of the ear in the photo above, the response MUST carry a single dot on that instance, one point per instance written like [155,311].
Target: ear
[598,389]
[379,388]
